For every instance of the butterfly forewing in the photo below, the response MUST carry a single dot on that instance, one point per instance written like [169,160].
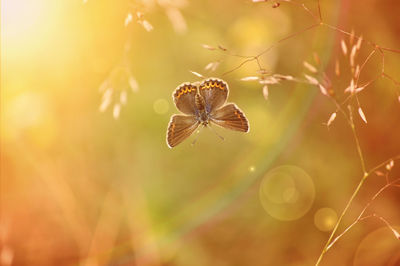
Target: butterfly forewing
[231,117]
[184,98]
[180,127]
[214,92]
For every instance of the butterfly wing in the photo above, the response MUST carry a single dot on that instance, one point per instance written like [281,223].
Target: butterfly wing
[184,98]
[215,92]
[180,127]
[231,117]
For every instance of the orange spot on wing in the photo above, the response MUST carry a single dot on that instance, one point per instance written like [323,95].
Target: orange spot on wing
[184,90]
[239,115]
[214,84]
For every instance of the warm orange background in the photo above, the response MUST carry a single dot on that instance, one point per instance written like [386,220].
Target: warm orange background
[79,187]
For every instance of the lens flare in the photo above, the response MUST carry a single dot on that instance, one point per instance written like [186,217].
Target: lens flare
[287,193]
[325,219]
[379,247]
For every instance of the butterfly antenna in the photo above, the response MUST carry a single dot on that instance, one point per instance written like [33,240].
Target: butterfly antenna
[197,135]
[221,137]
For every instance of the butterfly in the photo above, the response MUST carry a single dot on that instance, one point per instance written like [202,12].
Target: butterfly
[203,103]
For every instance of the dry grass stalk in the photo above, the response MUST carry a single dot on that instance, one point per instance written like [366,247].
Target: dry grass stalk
[331,119]
[316,59]
[362,115]
[309,67]
[269,80]
[353,55]
[361,216]
[249,78]
[146,25]
[283,77]
[396,234]
[351,37]
[104,104]
[114,89]
[390,165]
[222,48]
[276,4]
[208,47]
[116,110]
[323,90]
[262,71]
[123,97]
[344,47]
[212,66]
[357,72]
[128,19]
[337,68]
[196,74]
[133,84]
[140,20]
[359,42]
[265,92]
[311,80]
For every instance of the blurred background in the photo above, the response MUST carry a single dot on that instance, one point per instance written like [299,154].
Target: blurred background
[87,177]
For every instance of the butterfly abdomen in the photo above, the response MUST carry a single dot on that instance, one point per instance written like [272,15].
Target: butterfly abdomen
[201,106]
[199,101]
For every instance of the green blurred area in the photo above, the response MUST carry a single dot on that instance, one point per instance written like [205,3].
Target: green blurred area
[81,187]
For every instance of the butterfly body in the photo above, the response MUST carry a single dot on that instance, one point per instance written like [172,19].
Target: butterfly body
[202,103]
[202,114]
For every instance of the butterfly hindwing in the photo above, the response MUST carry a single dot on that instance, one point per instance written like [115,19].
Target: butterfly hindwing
[215,92]
[231,117]
[180,127]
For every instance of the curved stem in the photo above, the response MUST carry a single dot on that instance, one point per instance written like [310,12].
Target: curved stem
[325,249]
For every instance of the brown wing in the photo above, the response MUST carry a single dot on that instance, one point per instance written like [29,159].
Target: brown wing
[230,116]
[184,96]
[180,127]
[215,92]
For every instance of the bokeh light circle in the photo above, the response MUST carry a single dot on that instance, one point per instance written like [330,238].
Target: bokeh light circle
[287,192]
[379,247]
[325,219]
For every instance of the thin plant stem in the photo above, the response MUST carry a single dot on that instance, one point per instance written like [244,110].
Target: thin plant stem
[360,217]
[360,154]
[394,158]
[365,175]
[325,249]
[239,66]
[364,63]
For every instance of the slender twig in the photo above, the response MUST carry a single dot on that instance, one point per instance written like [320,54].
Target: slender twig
[327,245]
[360,154]
[391,50]
[360,216]
[382,164]
[395,82]
[363,64]
[319,10]
[325,249]
[304,7]
[239,66]
[287,38]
